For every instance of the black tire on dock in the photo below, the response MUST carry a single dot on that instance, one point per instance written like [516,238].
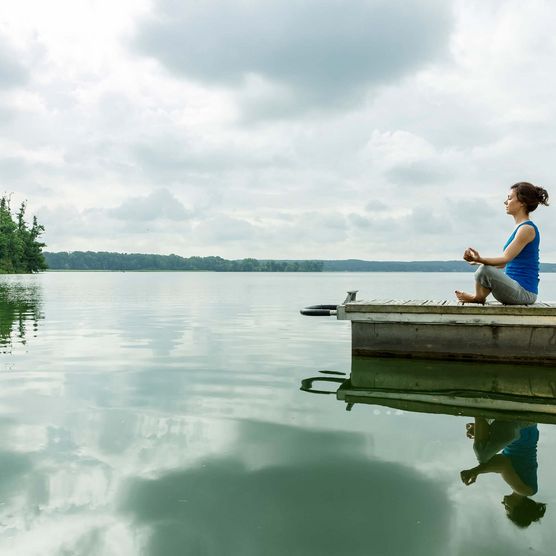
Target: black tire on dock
[319,310]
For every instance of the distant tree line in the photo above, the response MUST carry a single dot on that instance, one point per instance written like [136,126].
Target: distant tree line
[357,265]
[20,248]
[102,260]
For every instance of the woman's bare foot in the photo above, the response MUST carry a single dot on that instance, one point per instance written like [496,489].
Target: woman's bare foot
[464,297]
[470,430]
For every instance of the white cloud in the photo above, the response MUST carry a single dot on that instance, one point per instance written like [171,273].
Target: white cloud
[312,53]
[13,73]
[160,204]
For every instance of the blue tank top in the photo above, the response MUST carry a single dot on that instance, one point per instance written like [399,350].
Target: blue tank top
[524,269]
[522,453]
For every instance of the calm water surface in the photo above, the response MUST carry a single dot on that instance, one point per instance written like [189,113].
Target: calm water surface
[160,414]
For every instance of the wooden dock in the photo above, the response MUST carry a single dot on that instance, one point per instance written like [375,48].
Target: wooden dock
[452,331]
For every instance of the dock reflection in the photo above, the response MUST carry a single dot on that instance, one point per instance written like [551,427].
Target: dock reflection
[505,401]
[489,390]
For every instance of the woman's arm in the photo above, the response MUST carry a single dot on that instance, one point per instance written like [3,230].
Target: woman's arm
[498,464]
[525,235]
[493,465]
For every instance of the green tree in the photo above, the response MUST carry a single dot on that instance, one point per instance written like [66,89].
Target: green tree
[20,247]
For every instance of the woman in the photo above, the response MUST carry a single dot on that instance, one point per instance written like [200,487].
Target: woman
[516,463]
[518,285]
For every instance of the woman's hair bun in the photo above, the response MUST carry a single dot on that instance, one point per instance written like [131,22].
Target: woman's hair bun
[542,195]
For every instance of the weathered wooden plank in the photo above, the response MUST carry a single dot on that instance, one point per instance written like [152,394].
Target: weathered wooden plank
[444,302]
[442,307]
[454,318]
[466,341]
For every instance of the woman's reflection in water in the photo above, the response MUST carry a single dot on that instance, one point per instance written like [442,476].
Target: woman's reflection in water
[517,464]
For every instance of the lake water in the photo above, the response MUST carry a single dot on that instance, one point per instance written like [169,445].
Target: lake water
[161,414]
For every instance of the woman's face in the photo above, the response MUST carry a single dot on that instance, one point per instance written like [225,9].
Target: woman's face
[513,204]
[511,501]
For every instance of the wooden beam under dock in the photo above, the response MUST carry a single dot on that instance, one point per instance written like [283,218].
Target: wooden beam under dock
[452,331]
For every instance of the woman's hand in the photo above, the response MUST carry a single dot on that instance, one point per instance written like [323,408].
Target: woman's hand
[471,256]
[469,476]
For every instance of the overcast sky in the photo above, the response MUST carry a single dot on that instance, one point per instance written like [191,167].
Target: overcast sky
[371,129]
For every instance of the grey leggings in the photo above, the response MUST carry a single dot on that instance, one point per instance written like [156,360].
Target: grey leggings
[503,288]
[501,434]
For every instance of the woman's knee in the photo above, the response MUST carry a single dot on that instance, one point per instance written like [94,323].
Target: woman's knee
[482,274]
[487,275]
[483,451]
